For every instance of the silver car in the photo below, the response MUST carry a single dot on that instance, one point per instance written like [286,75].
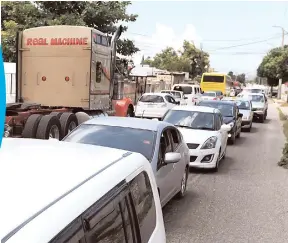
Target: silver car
[245,108]
[160,142]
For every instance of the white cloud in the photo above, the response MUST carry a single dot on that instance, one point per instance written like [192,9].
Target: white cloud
[164,36]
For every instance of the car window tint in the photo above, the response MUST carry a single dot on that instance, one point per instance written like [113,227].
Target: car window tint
[175,139]
[217,122]
[106,225]
[152,99]
[168,98]
[136,140]
[142,195]
[184,89]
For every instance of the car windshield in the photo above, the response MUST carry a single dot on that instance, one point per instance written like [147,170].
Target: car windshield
[256,91]
[152,99]
[256,98]
[184,89]
[243,105]
[209,94]
[225,109]
[126,138]
[190,119]
[176,94]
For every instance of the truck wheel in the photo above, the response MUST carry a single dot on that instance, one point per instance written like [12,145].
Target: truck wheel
[56,113]
[31,125]
[68,122]
[49,127]
[82,117]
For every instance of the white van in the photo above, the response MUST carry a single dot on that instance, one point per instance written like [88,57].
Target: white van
[191,91]
[64,192]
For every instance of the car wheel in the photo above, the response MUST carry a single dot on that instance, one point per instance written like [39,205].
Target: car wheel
[183,188]
[218,161]
[249,129]
[233,138]
[262,118]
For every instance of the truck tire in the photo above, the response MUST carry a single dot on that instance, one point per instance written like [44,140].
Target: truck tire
[49,124]
[82,117]
[56,113]
[31,125]
[68,122]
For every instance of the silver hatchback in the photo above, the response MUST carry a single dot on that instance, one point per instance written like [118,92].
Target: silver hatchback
[245,108]
[160,142]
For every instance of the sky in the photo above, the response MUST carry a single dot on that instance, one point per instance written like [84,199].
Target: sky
[217,26]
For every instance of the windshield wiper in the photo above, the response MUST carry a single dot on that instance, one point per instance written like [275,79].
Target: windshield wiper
[184,126]
[205,128]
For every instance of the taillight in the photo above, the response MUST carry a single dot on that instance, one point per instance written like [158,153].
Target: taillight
[215,98]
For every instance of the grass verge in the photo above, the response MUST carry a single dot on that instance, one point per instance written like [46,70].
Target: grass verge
[284,159]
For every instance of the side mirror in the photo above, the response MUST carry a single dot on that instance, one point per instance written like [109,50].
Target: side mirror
[240,115]
[177,102]
[225,128]
[171,158]
[185,98]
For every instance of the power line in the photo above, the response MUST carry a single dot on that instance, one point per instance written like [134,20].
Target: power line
[246,44]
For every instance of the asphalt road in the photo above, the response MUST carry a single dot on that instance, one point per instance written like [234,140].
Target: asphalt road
[245,201]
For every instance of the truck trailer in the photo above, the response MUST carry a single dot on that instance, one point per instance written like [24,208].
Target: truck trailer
[64,76]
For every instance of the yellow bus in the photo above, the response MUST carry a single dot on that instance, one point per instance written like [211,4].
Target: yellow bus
[216,82]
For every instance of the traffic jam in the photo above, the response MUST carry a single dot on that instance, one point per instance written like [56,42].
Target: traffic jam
[109,176]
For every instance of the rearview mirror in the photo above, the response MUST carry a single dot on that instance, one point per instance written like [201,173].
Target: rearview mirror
[240,115]
[171,158]
[225,128]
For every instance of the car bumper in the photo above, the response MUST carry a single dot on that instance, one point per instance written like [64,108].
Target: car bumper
[197,156]
[150,113]
[258,114]
[246,123]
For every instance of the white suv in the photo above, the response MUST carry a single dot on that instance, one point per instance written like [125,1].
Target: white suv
[63,192]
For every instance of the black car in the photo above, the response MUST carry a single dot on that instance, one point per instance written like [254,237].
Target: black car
[231,116]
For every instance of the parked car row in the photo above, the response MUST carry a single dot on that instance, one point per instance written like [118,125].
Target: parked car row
[109,178]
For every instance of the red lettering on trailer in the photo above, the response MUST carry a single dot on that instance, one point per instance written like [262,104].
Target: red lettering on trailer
[57,41]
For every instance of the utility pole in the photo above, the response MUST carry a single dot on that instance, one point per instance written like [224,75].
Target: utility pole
[280,79]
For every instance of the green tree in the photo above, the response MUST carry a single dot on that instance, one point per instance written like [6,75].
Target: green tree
[147,61]
[17,16]
[274,66]
[241,78]
[190,59]
[231,74]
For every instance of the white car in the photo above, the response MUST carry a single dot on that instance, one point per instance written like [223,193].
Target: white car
[80,193]
[154,105]
[210,95]
[178,96]
[259,104]
[204,132]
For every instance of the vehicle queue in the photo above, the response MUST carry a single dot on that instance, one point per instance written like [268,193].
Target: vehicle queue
[122,171]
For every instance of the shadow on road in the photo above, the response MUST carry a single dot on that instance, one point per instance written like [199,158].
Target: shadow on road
[240,141]
[253,130]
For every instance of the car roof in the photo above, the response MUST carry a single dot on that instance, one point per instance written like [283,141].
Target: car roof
[128,122]
[196,108]
[186,85]
[226,102]
[32,181]
[159,94]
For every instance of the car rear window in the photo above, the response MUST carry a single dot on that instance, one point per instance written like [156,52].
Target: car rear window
[152,99]
[126,138]
[209,94]
[184,89]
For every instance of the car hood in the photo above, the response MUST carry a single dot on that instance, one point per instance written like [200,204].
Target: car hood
[245,112]
[228,119]
[196,136]
[258,104]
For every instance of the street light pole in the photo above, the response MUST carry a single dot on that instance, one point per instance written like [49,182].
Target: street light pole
[280,79]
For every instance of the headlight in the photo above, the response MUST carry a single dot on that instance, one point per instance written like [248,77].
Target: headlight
[231,124]
[209,143]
